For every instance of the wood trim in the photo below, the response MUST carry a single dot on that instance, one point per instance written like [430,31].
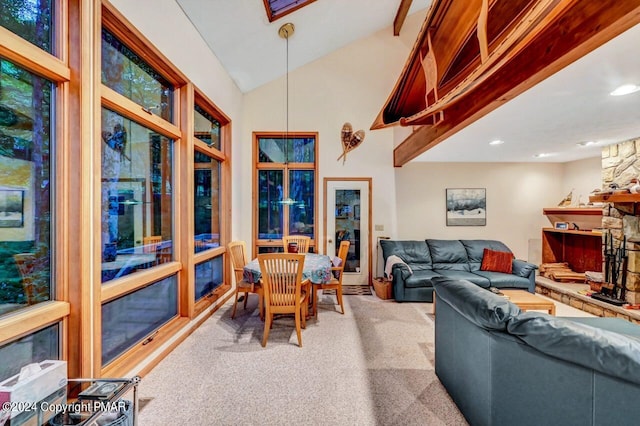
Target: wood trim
[588,211]
[401,15]
[256,242]
[31,57]
[28,320]
[140,351]
[271,17]
[132,282]
[615,198]
[324,222]
[127,33]
[129,109]
[582,28]
[186,221]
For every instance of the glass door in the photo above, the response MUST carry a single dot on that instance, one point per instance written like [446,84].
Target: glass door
[347,217]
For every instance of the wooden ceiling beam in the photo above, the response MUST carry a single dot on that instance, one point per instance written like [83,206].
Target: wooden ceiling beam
[583,28]
[401,15]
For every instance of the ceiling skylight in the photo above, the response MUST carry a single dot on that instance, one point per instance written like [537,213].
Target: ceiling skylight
[278,8]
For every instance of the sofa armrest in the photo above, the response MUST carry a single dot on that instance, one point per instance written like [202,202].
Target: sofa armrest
[525,270]
[402,269]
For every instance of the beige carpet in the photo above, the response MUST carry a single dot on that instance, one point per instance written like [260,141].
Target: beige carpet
[371,366]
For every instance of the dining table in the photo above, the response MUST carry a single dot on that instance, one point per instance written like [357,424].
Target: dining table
[316,268]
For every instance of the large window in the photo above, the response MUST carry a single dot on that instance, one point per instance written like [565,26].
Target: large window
[29,19]
[36,347]
[210,177]
[25,187]
[286,188]
[136,214]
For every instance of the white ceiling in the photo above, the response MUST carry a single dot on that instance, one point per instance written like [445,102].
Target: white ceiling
[569,107]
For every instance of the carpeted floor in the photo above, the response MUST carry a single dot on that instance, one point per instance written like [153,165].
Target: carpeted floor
[371,366]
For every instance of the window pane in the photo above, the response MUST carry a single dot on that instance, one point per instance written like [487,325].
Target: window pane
[137,186]
[270,204]
[295,150]
[39,346]
[301,202]
[131,318]
[207,202]
[126,73]
[301,150]
[206,128]
[208,276]
[25,187]
[275,249]
[29,19]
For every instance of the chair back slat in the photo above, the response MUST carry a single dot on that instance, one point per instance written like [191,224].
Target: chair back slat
[282,278]
[302,241]
[238,253]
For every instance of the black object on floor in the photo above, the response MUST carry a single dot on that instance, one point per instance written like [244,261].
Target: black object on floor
[608,299]
[352,290]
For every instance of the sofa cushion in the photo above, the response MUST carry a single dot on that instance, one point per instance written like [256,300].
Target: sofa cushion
[420,279]
[475,250]
[497,261]
[448,254]
[501,280]
[413,253]
[522,268]
[481,307]
[464,275]
[610,353]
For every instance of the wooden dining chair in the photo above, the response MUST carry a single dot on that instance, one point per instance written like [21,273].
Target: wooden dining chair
[282,286]
[238,253]
[336,282]
[26,265]
[302,241]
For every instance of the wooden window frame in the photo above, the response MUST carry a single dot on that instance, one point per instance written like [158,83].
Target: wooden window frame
[285,167]
[54,68]
[224,157]
[114,22]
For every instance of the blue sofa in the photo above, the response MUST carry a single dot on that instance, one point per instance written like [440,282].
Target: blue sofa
[502,366]
[456,259]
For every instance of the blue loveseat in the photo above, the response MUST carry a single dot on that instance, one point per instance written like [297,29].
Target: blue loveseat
[425,260]
[506,367]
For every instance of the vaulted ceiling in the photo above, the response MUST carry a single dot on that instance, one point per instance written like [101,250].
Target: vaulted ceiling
[569,107]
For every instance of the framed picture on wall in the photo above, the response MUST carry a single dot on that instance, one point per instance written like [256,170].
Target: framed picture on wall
[466,206]
[11,208]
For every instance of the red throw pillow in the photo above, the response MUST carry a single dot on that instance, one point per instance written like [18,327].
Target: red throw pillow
[497,261]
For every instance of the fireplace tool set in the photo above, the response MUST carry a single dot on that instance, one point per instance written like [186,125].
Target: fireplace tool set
[615,269]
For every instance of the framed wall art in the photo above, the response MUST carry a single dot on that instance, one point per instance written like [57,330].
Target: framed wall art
[11,208]
[466,206]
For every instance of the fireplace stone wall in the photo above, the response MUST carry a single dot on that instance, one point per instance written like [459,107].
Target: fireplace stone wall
[620,164]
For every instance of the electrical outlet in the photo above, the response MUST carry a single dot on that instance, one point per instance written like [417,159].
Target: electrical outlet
[379,227]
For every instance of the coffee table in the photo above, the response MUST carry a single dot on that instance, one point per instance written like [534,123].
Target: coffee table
[529,301]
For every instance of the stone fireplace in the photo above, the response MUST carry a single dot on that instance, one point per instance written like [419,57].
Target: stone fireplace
[620,164]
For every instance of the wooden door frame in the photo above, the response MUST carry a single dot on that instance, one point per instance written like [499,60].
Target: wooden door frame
[325,181]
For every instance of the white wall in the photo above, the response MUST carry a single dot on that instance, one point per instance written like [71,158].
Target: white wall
[349,85]
[516,195]
[582,176]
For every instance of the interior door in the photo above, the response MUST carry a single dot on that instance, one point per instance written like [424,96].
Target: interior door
[347,216]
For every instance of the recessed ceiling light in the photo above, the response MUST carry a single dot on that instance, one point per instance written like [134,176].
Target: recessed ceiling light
[496,142]
[543,155]
[625,90]
[586,143]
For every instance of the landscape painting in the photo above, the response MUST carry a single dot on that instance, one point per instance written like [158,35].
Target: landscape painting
[466,206]
[11,208]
